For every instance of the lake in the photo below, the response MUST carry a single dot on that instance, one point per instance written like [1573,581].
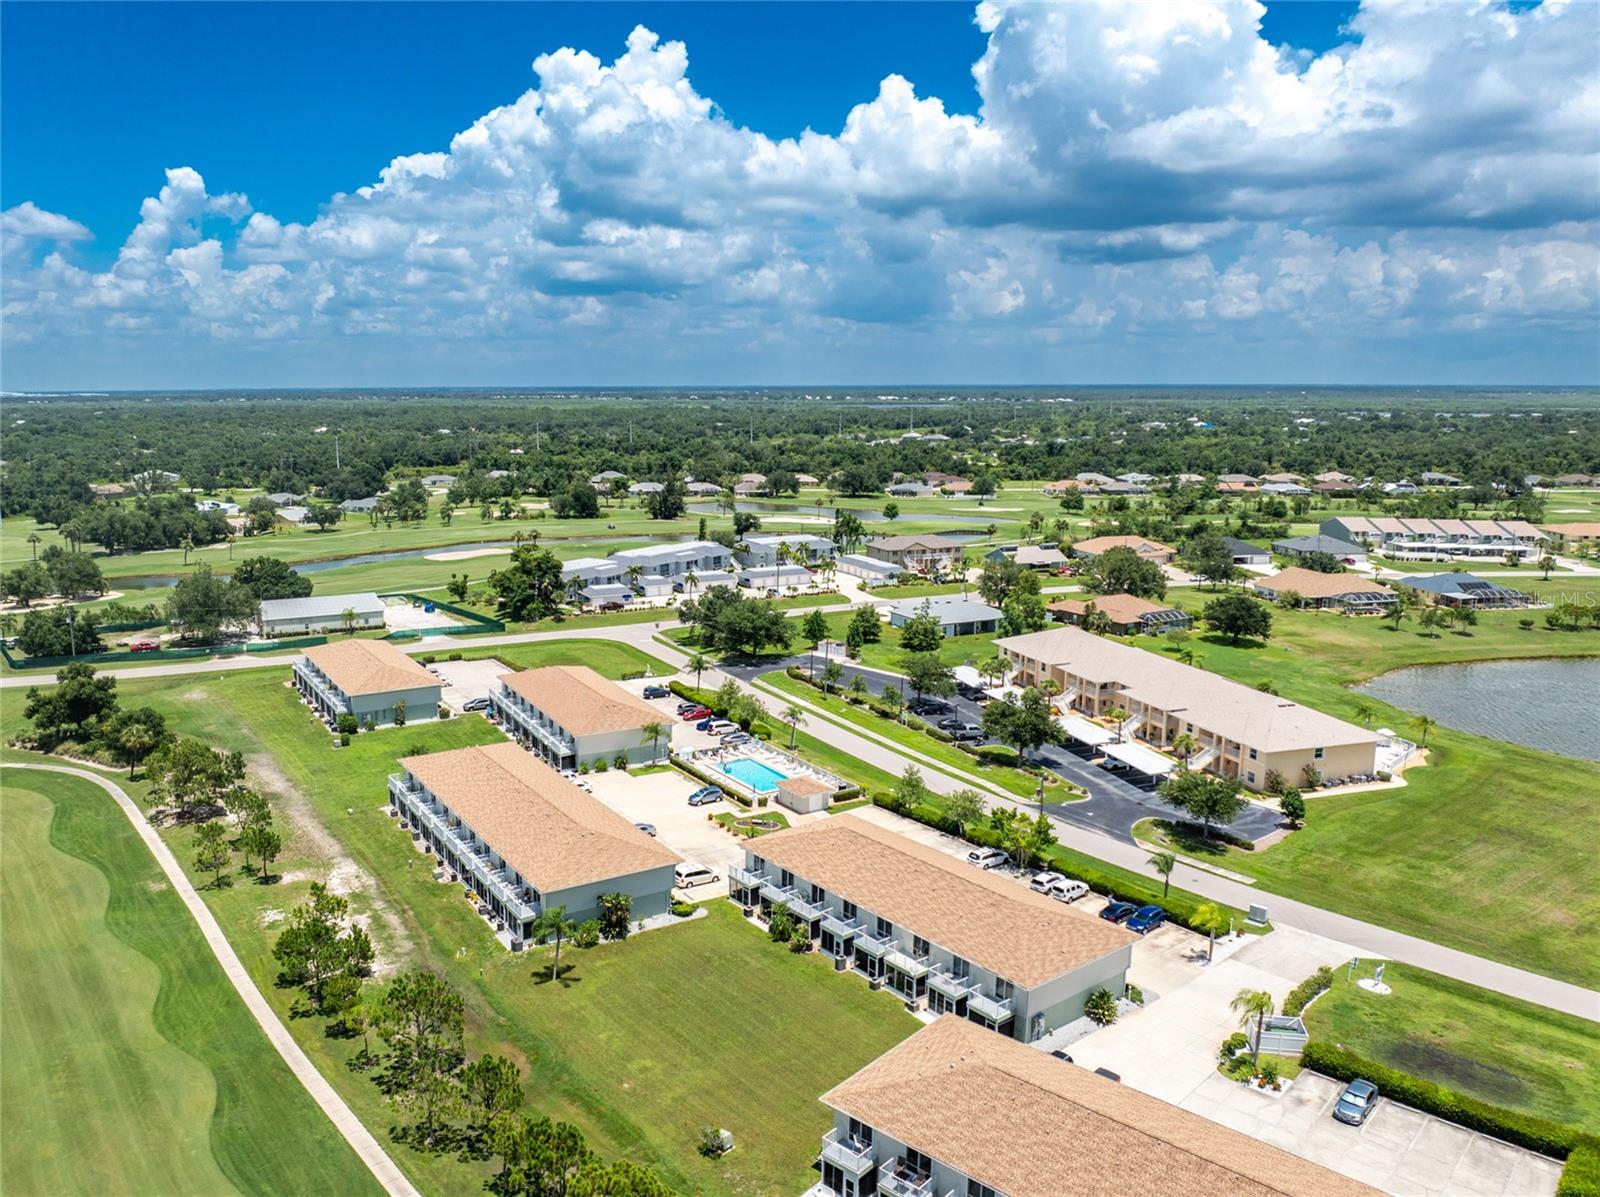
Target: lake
[1551,704]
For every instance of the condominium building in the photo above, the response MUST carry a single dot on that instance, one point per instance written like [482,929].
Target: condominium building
[916,554]
[956,616]
[568,715]
[674,560]
[941,933]
[369,679]
[758,551]
[523,839]
[1241,732]
[1572,536]
[1437,540]
[952,1112]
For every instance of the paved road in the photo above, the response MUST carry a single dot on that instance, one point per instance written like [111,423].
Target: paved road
[1379,941]
[344,1119]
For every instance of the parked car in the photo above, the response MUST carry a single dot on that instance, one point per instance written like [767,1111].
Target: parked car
[928,706]
[1356,1103]
[694,713]
[705,723]
[144,646]
[1147,918]
[988,858]
[1118,911]
[952,723]
[1108,1074]
[475,704]
[739,737]
[1061,1055]
[687,876]
[705,796]
[970,733]
[687,705]
[1067,890]
[613,605]
[721,727]
[647,828]
[657,692]
[1041,882]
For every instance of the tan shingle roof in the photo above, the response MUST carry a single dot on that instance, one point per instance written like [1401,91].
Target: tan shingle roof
[1309,583]
[1239,713]
[582,701]
[368,667]
[1000,925]
[1030,1125]
[1139,544]
[801,786]
[542,825]
[896,543]
[1122,608]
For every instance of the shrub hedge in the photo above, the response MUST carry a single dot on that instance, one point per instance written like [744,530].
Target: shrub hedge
[1581,1176]
[1523,1130]
[1300,996]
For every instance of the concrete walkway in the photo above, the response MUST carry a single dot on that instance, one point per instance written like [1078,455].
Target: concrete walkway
[360,1139]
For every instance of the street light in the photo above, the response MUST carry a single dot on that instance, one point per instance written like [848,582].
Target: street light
[72,628]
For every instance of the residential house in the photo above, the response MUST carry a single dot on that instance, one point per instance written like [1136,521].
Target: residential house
[956,616]
[522,839]
[1335,476]
[1124,488]
[1281,477]
[1245,553]
[745,490]
[916,554]
[1464,590]
[107,490]
[1129,614]
[1284,489]
[1576,480]
[370,679]
[1030,556]
[1188,479]
[217,505]
[1063,486]
[1437,540]
[293,515]
[1301,546]
[1246,480]
[1090,478]
[909,490]
[1404,487]
[808,480]
[1150,550]
[319,613]
[640,489]
[359,506]
[283,498]
[938,932]
[1351,592]
[1136,479]
[763,550]
[568,715]
[698,583]
[1241,731]
[434,480]
[702,489]
[603,480]
[952,1112]
[1431,478]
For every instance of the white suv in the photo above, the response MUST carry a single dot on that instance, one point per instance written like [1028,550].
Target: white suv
[988,858]
[1041,882]
[1067,891]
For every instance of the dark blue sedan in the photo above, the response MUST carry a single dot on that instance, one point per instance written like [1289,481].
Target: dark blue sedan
[1117,911]
[1148,918]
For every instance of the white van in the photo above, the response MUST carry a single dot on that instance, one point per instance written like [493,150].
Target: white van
[722,727]
[687,875]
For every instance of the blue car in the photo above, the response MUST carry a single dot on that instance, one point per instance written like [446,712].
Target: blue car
[1118,911]
[1148,918]
[705,796]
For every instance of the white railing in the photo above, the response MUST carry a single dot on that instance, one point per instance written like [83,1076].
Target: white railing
[850,1154]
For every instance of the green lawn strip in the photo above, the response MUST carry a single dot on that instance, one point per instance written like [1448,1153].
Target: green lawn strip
[609,658]
[131,1063]
[885,654]
[644,1094]
[962,764]
[1489,848]
[1498,1049]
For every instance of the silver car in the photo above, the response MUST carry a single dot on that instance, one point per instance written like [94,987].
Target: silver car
[1356,1103]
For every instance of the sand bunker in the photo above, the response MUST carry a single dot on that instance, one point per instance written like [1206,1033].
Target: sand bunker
[467,554]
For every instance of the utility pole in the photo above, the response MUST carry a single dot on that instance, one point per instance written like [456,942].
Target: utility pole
[336,450]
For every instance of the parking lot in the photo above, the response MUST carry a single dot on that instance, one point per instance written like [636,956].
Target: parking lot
[465,680]
[662,799]
[685,738]
[400,615]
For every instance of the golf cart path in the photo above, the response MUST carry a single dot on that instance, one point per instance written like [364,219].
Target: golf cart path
[382,1167]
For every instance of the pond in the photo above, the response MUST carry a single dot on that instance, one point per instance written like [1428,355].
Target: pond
[1545,703]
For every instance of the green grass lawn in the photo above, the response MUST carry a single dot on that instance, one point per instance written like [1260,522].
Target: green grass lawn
[1489,847]
[885,654]
[131,1065]
[1012,780]
[642,1045]
[609,658]
[1477,1042]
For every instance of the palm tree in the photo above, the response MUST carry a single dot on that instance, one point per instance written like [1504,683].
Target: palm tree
[1163,863]
[1253,1005]
[699,664]
[135,741]
[653,732]
[1423,725]
[1547,563]
[1210,919]
[635,572]
[1117,715]
[187,545]
[995,669]
[33,543]
[1184,744]
[690,580]
[794,717]
[554,924]
[1366,712]
[347,618]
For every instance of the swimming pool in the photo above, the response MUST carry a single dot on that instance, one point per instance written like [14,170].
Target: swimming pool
[759,776]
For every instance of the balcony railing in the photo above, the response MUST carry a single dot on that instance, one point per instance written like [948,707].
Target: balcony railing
[850,1154]
[874,945]
[746,878]
[900,1179]
[338,701]
[839,926]
[530,723]
[804,908]
[996,1010]
[908,962]
[952,986]
[775,893]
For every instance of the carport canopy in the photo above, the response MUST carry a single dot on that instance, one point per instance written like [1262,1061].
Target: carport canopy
[1085,731]
[966,675]
[1145,760]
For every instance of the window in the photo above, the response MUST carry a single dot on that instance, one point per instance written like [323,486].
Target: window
[1003,989]
[918,1161]
[1316,754]
[919,946]
[786,878]
[1251,777]
[849,910]
[885,927]
[959,967]
[818,895]
[860,1131]
[976,1188]
[1252,754]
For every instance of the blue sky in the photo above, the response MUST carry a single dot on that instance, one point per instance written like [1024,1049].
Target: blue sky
[1224,195]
